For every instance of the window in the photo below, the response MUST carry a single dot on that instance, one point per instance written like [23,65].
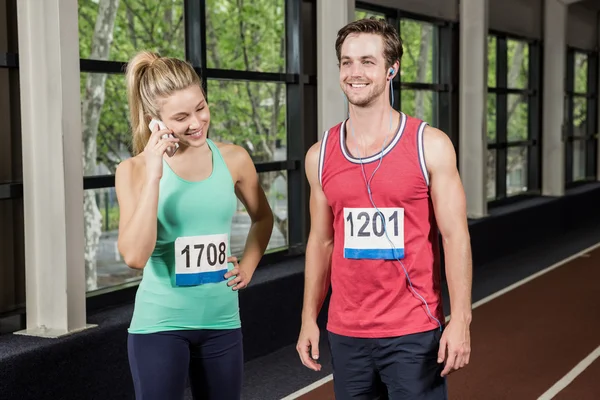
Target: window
[12,252]
[581,114]
[512,117]
[422,88]
[245,73]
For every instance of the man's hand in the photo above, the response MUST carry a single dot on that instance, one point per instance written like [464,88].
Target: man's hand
[308,345]
[455,346]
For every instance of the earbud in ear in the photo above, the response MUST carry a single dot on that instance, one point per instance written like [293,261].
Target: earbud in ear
[391,71]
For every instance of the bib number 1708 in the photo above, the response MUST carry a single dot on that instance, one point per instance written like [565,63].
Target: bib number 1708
[200,259]
[213,255]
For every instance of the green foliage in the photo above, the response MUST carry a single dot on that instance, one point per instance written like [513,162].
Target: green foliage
[581,72]
[418,42]
[249,36]
[241,35]
[580,103]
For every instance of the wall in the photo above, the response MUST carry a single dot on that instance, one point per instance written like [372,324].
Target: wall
[517,17]
[582,30]
[442,9]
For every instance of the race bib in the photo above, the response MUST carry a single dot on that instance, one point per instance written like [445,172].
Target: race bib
[200,259]
[372,234]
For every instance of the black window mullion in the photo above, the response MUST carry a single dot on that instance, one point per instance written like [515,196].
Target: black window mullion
[568,124]
[397,94]
[534,117]
[11,190]
[591,116]
[453,58]
[443,49]
[394,20]
[296,141]
[501,116]
[195,37]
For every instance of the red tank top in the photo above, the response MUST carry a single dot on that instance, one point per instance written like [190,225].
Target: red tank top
[371,294]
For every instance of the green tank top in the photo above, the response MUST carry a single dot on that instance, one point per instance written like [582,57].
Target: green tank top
[194,227]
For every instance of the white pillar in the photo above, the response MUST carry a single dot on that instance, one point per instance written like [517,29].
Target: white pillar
[473,104]
[553,126]
[332,15]
[52,166]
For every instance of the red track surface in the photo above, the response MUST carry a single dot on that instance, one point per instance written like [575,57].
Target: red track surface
[527,339]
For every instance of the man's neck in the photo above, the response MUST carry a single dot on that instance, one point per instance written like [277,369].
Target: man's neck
[375,120]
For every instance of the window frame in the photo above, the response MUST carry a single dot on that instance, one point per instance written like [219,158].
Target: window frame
[445,66]
[591,136]
[534,118]
[300,134]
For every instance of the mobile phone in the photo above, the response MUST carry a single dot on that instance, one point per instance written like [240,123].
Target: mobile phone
[171,149]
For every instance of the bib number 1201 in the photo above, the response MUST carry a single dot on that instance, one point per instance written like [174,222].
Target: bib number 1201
[378,225]
[371,233]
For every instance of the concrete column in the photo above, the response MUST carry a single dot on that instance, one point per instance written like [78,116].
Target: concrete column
[473,101]
[554,125]
[331,16]
[52,166]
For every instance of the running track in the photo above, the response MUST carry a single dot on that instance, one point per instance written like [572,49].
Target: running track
[536,339]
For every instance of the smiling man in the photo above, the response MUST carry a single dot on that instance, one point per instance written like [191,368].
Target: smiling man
[383,186]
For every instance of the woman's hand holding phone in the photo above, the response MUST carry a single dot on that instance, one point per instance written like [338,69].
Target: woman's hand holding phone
[155,148]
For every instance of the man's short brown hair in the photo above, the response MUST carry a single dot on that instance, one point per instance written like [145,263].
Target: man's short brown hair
[392,44]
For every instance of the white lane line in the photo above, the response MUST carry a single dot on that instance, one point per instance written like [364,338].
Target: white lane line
[309,388]
[582,253]
[570,377]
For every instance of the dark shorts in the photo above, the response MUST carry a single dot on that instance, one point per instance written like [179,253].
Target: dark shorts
[163,363]
[403,367]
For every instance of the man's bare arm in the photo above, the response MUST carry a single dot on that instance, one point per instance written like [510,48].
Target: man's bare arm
[449,203]
[320,241]
[318,263]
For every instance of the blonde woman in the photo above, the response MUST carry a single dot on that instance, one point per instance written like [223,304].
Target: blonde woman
[177,197]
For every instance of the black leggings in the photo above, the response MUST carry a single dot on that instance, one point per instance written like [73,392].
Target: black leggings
[161,364]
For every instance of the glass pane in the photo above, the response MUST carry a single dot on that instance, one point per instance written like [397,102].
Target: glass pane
[361,14]
[420,104]
[491,117]
[246,36]
[104,122]
[516,174]
[491,61]
[518,110]
[579,116]
[491,175]
[136,24]
[581,72]
[518,64]
[250,114]
[418,61]
[275,186]
[104,265]
[578,160]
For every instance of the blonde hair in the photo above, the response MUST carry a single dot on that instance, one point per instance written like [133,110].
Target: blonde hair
[150,77]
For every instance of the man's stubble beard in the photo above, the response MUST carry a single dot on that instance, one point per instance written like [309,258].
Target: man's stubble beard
[363,102]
